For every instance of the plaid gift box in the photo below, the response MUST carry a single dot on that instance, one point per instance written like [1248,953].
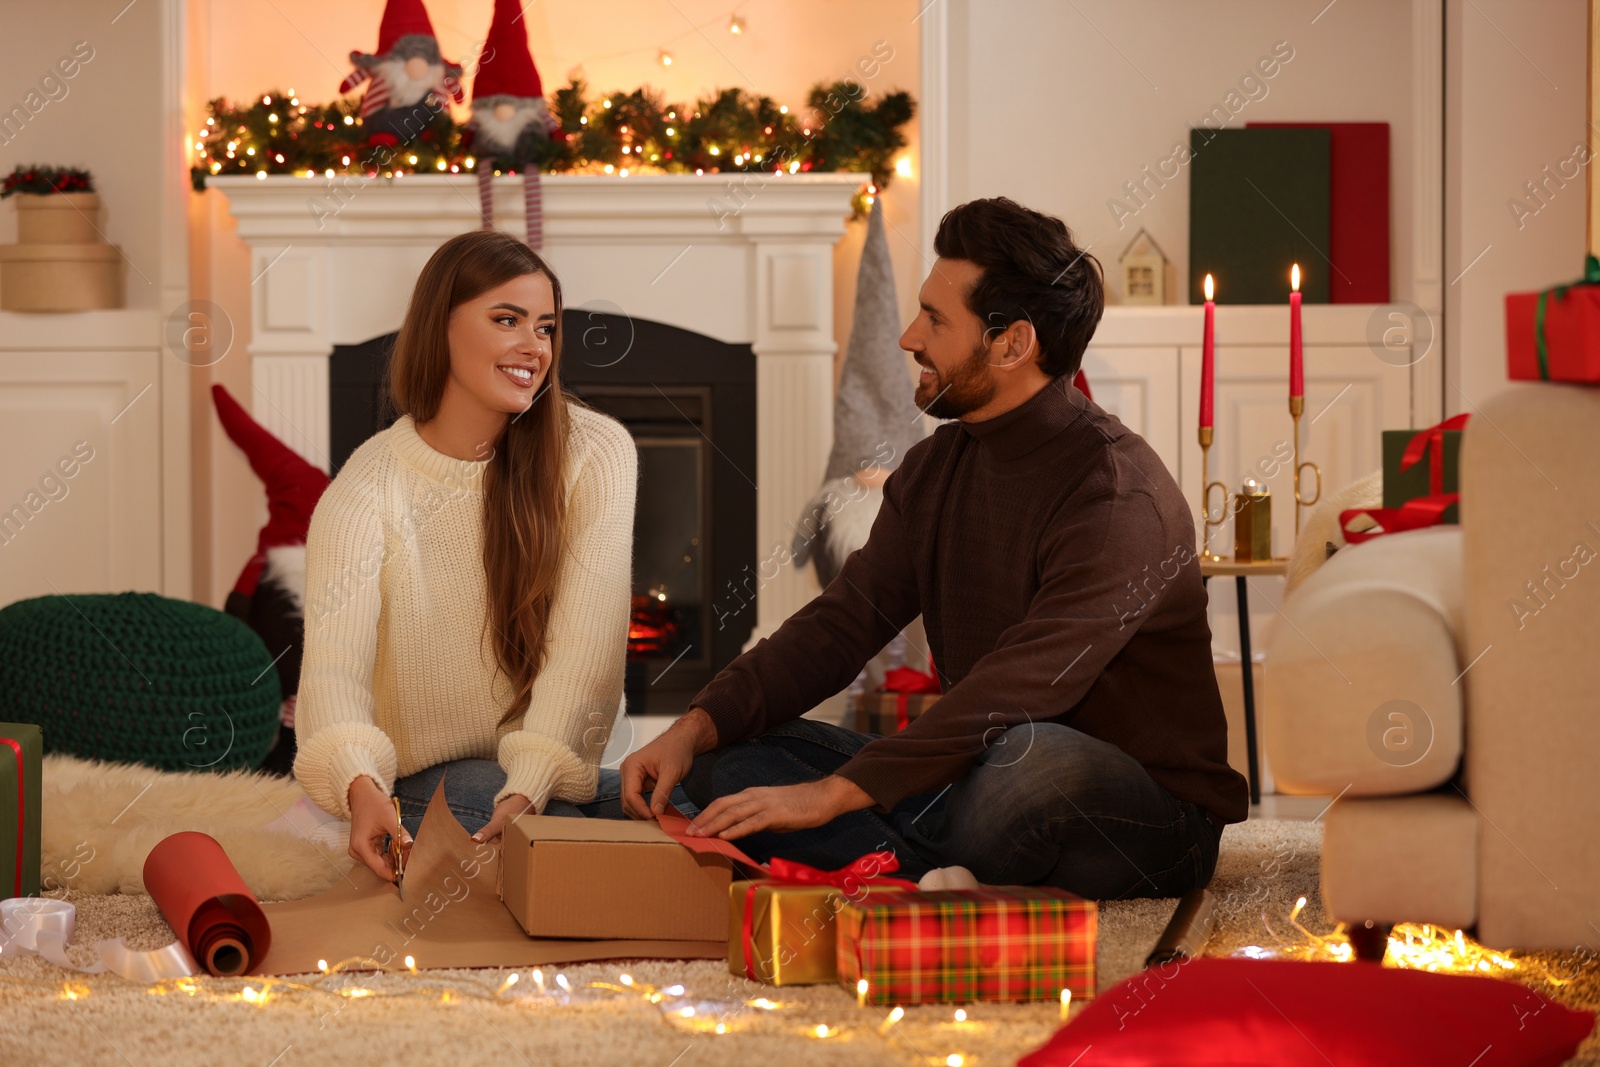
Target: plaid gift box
[961,945]
[21,749]
[905,693]
[889,713]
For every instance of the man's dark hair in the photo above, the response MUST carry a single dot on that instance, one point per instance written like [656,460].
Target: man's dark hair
[1032,269]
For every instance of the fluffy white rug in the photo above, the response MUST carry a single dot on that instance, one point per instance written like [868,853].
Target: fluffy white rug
[100,821]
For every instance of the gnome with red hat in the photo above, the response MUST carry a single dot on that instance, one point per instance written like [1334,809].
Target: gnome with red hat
[271,591]
[511,124]
[401,76]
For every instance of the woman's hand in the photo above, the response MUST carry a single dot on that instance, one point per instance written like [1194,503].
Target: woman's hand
[513,805]
[372,817]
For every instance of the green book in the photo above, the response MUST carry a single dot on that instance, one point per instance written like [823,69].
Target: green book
[21,752]
[1399,486]
[1258,203]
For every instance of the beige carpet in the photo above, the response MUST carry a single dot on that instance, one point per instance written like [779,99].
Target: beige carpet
[47,1017]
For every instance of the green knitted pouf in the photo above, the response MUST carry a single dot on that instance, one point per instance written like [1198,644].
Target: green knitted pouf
[139,678]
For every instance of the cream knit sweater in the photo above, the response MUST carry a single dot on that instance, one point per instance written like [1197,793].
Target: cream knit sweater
[395,677]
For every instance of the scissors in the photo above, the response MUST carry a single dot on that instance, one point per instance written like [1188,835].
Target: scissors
[397,854]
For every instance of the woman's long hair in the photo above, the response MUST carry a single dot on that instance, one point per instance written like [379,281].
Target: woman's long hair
[524,497]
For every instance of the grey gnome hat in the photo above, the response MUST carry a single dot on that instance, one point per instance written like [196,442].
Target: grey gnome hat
[875,415]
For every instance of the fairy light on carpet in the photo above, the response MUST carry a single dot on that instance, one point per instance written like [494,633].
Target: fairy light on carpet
[1413,946]
[708,1017]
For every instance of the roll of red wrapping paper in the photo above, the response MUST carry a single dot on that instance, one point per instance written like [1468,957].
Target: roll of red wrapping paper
[207,904]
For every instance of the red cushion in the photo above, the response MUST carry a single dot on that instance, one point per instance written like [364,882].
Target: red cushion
[1284,1013]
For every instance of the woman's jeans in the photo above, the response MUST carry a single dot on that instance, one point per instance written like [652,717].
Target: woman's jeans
[471,784]
[1047,805]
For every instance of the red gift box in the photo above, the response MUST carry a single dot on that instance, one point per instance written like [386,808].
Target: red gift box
[962,945]
[1554,335]
[912,692]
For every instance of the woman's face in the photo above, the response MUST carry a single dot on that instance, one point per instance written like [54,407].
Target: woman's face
[501,341]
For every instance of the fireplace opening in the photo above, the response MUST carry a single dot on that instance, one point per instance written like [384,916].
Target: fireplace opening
[689,402]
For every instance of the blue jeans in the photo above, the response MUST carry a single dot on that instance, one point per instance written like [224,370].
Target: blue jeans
[1047,805]
[471,784]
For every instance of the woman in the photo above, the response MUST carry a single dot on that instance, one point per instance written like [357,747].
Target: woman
[468,572]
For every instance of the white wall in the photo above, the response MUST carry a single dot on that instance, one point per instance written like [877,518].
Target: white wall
[1057,105]
[1515,88]
[106,118]
[242,49]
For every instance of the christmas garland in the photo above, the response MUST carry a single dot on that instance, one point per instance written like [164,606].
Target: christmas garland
[623,133]
[46,179]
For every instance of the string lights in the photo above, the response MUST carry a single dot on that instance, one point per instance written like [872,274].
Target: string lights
[362,978]
[1414,946]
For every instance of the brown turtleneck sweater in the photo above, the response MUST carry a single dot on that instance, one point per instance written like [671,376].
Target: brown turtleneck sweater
[1053,560]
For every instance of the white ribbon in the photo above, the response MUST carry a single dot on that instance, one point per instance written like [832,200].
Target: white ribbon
[43,926]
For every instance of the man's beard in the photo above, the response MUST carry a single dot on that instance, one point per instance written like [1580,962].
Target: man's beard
[969,387]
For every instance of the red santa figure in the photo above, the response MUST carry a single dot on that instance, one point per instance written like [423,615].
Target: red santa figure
[402,75]
[511,124]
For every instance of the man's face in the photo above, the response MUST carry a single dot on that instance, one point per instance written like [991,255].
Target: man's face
[947,341]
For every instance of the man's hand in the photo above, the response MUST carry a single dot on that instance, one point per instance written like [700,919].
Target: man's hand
[780,807]
[664,762]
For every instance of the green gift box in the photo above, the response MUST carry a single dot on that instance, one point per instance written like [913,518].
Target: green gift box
[1434,466]
[21,750]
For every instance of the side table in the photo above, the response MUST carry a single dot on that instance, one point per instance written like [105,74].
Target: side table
[1242,572]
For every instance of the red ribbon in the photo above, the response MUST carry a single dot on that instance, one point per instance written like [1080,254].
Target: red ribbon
[1423,511]
[904,681]
[788,872]
[1431,441]
[1413,515]
[22,808]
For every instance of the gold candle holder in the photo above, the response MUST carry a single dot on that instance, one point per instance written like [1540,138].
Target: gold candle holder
[1297,407]
[1206,485]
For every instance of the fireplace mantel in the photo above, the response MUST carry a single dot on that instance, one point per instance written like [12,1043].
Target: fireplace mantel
[747,259]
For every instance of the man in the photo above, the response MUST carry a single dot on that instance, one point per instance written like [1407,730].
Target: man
[1080,741]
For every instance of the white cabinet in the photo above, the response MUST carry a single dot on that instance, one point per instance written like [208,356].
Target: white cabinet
[1144,367]
[81,501]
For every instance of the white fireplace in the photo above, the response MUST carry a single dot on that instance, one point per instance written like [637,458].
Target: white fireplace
[746,260]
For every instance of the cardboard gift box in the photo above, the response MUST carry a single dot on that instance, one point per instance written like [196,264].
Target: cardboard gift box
[616,879]
[961,945]
[21,755]
[1554,335]
[782,930]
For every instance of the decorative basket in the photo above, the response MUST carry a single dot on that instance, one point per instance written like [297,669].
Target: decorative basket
[60,277]
[58,218]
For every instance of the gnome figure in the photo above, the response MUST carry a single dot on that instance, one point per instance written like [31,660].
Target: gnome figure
[510,120]
[875,420]
[270,593]
[400,76]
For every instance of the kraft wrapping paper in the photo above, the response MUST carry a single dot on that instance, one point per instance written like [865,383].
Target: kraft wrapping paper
[450,915]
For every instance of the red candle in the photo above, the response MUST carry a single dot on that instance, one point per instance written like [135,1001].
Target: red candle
[1297,370]
[1208,358]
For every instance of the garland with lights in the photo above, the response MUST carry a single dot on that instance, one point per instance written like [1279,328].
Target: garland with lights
[623,133]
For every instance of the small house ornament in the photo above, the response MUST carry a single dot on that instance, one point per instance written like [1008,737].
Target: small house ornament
[1144,271]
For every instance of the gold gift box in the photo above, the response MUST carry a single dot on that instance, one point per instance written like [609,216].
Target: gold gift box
[793,930]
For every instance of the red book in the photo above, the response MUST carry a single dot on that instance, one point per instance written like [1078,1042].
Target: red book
[1358,211]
